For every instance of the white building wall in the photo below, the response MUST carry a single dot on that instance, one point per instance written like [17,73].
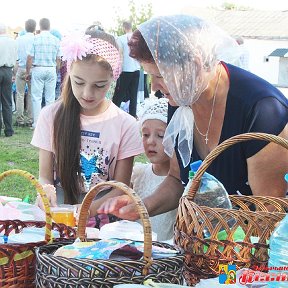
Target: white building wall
[283,72]
[259,51]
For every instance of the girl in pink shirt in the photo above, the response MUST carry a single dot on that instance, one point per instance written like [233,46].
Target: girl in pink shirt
[83,137]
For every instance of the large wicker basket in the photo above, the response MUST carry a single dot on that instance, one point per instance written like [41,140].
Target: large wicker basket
[204,254]
[56,271]
[17,261]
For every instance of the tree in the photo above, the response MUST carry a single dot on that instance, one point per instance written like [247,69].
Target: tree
[138,14]
[233,6]
[229,6]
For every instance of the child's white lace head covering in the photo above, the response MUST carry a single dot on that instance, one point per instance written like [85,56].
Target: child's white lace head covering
[156,109]
[186,50]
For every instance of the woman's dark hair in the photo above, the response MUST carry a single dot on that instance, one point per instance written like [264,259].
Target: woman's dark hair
[139,49]
[67,131]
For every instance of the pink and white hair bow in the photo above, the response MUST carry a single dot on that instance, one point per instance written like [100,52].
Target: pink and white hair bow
[76,46]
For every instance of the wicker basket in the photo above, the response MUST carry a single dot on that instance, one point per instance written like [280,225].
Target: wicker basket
[56,271]
[17,261]
[204,254]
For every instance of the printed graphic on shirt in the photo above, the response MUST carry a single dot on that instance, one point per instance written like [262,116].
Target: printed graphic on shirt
[94,160]
[89,166]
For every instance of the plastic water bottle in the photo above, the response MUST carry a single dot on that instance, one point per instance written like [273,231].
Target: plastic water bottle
[211,192]
[278,254]
[191,175]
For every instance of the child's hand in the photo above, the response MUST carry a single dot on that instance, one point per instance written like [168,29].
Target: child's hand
[120,206]
[51,195]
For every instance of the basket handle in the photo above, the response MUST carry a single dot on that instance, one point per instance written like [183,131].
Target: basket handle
[140,208]
[39,189]
[223,146]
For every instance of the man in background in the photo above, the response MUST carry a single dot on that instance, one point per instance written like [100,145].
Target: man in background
[127,84]
[25,43]
[45,59]
[8,58]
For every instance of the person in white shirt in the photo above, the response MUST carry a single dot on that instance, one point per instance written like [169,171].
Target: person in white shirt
[127,84]
[25,43]
[8,58]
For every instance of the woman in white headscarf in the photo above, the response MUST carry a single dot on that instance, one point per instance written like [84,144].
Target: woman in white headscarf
[187,60]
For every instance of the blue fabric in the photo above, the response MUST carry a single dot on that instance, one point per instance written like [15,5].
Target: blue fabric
[21,33]
[56,33]
[25,43]
[253,105]
[14,88]
[45,49]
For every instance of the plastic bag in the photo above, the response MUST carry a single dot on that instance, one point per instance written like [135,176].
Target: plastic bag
[31,234]
[22,211]
[124,229]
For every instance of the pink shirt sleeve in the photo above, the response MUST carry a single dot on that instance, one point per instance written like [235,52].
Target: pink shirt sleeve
[42,136]
[131,142]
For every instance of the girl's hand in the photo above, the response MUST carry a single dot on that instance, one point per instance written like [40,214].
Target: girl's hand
[51,195]
[77,212]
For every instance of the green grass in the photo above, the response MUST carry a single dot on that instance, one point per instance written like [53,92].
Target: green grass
[16,152]
[141,158]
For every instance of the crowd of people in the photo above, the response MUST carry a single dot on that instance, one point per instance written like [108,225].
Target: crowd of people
[85,138]
[34,67]
[35,84]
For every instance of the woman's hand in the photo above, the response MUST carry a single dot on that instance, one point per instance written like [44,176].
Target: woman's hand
[51,195]
[121,206]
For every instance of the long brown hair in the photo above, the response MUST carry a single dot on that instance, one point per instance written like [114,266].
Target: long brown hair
[67,131]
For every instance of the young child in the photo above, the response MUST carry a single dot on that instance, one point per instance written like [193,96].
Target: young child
[146,177]
[83,138]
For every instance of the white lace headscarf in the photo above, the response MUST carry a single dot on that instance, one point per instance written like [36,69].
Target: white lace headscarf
[186,50]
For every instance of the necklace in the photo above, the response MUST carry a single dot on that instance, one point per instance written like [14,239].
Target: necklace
[212,110]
